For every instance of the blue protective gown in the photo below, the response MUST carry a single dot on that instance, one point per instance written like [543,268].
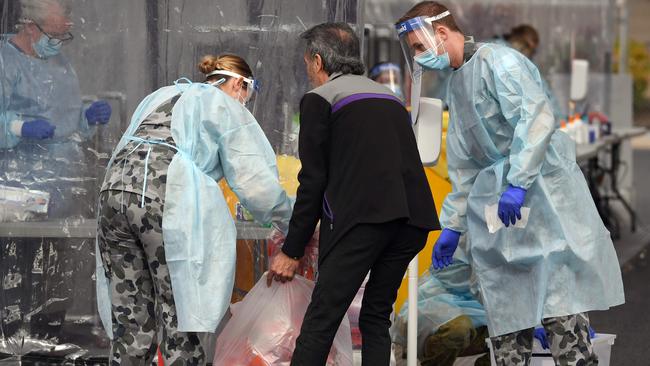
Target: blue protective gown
[501,132]
[33,88]
[558,113]
[216,138]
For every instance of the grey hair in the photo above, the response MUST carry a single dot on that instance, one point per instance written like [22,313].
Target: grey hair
[338,47]
[38,10]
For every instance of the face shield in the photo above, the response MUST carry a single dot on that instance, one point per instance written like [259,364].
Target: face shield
[249,89]
[389,75]
[420,44]
[422,50]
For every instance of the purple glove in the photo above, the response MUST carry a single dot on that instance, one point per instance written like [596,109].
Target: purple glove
[443,251]
[39,129]
[510,205]
[99,113]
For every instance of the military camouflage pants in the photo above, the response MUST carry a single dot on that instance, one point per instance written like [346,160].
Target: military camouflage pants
[143,311]
[568,337]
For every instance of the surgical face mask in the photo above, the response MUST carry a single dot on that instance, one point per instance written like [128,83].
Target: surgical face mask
[430,61]
[44,49]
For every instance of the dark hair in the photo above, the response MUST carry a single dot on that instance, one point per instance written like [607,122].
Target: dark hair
[338,47]
[523,32]
[430,9]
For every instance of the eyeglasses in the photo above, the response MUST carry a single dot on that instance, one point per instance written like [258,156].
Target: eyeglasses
[55,40]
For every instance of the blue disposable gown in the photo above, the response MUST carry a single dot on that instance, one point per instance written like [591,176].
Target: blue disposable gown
[442,296]
[33,88]
[558,113]
[216,137]
[501,132]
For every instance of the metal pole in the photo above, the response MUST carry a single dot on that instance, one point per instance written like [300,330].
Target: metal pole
[623,25]
[412,338]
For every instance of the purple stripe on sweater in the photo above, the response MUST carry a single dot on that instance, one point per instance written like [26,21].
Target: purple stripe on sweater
[355,97]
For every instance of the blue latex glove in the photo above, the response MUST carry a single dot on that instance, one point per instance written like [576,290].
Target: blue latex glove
[592,333]
[37,129]
[510,205]
[540,334]
[99,113]
[443,251]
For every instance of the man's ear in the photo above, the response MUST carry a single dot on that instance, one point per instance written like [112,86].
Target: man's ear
[442,32]
[318,63]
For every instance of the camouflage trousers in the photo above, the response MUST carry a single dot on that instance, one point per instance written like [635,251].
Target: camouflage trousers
[568,337]
[143,311]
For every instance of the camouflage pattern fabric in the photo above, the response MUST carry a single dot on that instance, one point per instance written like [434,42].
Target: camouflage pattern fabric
[128,168]
[143,311]
[568,337]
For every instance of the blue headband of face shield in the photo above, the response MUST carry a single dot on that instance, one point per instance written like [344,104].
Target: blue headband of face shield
[409,26]
[416,23]
[377,70]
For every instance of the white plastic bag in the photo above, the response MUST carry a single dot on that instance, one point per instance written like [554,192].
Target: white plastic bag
[264,327]
[494,223]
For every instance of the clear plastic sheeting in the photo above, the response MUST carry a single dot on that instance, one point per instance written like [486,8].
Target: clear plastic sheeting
[569,29]
[121,51]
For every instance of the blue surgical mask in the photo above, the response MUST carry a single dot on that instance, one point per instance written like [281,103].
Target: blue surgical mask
[430,61]
[44,49]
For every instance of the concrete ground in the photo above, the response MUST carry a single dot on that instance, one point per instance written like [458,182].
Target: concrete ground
[630,322]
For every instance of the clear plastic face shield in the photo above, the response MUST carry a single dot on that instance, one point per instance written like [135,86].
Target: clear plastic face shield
[390,75]
[420,44]
[423,50]
[249,89]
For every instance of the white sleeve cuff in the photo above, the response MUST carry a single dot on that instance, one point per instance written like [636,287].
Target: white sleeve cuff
[16,127]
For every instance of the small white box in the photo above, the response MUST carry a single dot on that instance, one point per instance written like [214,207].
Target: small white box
[602,348]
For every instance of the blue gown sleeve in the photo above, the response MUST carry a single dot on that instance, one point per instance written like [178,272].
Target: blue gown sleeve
[7,84]
[519,92]
[249,166]
[462,173]
[555,104]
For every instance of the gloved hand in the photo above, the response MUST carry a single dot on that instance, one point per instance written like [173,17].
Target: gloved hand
[99,113]
[510,205]
[37,129]
[592,333]
[443,251]
[540,334]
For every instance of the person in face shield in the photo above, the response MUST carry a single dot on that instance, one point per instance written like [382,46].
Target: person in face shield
[166,238]
[389,75]
[43,128]
[551,258]
[42,117]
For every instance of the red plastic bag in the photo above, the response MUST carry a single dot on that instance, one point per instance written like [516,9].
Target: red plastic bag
[264,327]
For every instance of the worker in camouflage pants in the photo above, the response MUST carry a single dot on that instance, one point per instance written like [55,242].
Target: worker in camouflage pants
[131,244]
[568,348]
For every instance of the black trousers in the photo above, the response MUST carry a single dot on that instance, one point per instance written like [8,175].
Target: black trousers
[383,249]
